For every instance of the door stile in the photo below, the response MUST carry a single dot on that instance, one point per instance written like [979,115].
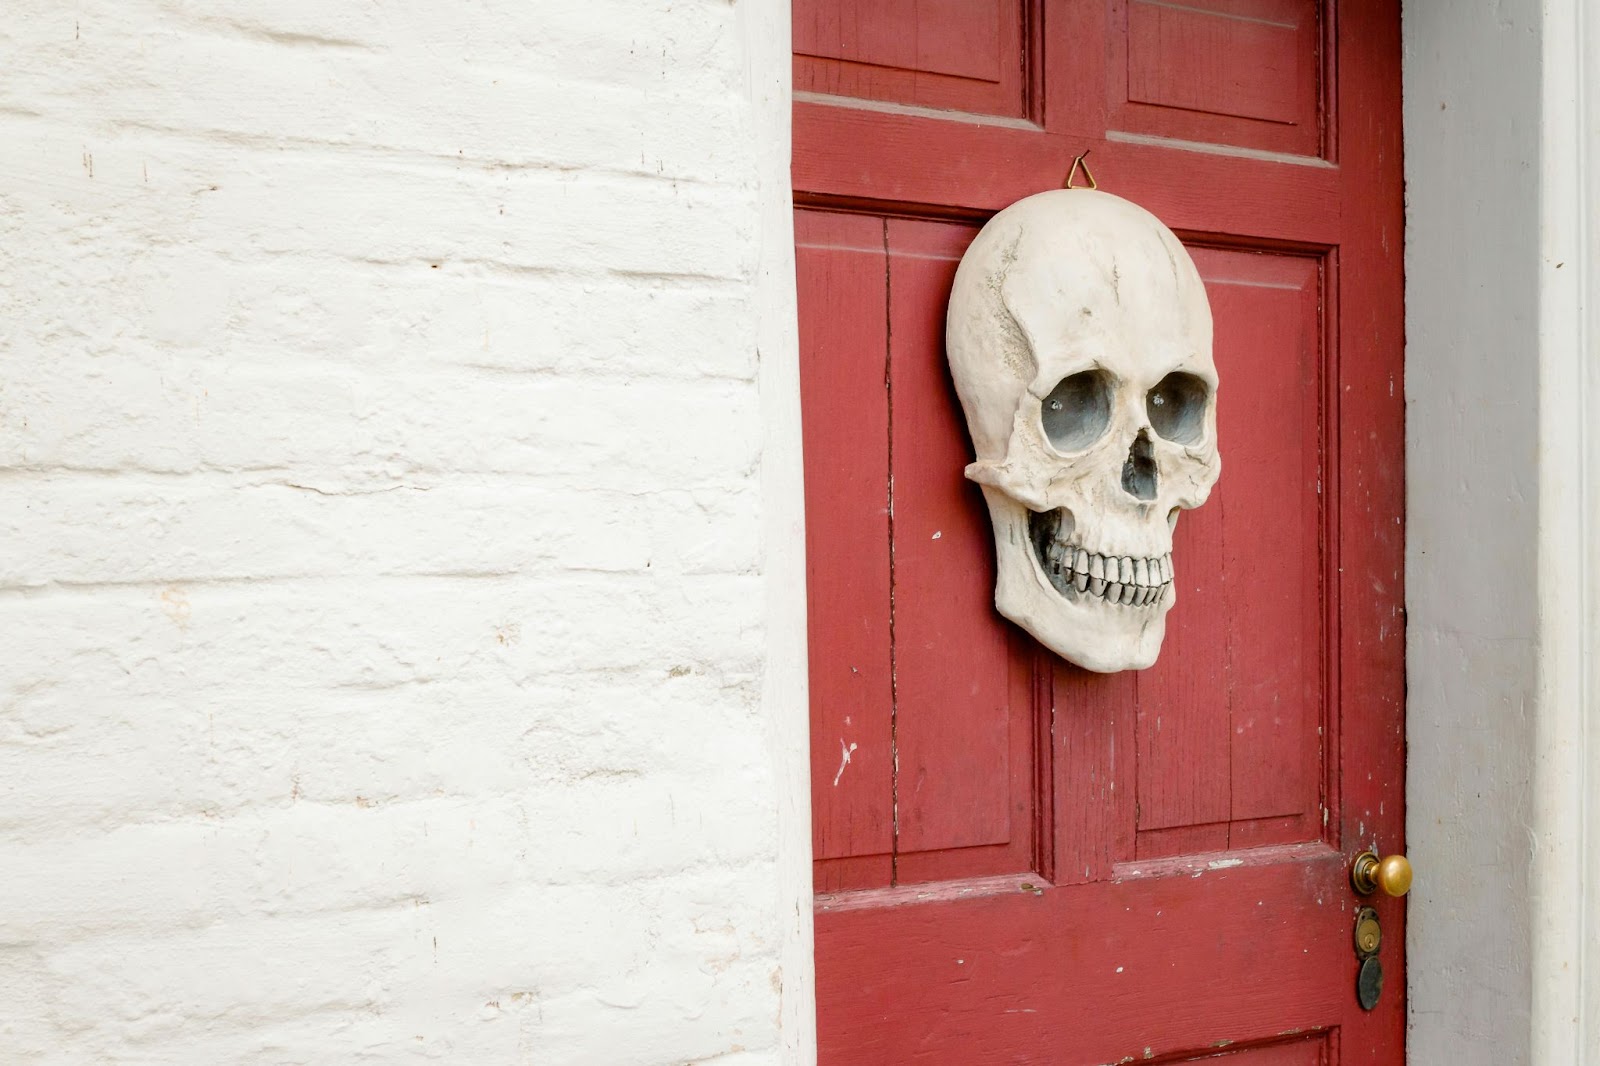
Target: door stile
[1371,417]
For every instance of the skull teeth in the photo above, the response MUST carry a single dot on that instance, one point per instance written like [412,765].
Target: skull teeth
[1078,573]
[1123,580]
[1129,581]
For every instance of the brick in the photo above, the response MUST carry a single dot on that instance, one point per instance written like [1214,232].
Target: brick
[383,591]
[398,429]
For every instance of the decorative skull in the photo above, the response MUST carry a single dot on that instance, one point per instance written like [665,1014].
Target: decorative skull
[1079,338]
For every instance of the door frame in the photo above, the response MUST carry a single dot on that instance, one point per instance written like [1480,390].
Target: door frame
[1503,822]
[1502,135]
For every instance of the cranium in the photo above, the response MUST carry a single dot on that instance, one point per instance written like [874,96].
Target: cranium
[1079,337]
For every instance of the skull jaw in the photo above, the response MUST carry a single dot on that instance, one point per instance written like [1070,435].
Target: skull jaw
[1085,630]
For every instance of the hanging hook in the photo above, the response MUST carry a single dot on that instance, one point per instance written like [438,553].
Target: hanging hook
[1077,165]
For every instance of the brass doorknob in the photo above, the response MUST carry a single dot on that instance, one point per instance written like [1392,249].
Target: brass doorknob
[1392,873]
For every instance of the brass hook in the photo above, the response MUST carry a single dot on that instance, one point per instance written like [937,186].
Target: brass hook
[1077,165]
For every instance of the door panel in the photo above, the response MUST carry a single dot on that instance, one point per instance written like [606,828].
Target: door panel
[839,264]
[951,723]
[1231,722]
[960,728]
[963,55]
[1244,73]
[1017,860]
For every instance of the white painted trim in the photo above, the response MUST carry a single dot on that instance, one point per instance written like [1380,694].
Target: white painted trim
[1503,552]
[1566,851]
[765,28]
[1473,100]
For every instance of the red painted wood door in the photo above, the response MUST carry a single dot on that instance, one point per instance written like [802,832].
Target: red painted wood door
[1018,861]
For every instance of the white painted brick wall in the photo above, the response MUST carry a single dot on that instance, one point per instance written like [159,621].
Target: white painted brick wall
[388,580]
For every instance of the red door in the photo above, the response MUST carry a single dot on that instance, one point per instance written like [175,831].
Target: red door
[1018,861]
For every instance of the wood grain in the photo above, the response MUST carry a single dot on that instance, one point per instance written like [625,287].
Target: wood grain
[840,263]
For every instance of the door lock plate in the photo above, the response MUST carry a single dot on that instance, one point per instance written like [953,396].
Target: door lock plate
[1368,938]
[1369,934]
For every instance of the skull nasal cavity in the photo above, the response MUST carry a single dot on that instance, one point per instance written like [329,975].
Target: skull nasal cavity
[1139,472]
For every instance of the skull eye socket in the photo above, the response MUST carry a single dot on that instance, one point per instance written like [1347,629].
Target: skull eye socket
[1078,410]
[1176,407]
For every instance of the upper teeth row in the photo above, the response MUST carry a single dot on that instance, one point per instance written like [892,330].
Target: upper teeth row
[1125,570]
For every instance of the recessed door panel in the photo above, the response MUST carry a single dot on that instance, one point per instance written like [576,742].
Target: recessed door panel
[1238,73]
[1231,720]
[960,55]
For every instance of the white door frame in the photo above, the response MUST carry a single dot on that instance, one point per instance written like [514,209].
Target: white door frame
[1503,538]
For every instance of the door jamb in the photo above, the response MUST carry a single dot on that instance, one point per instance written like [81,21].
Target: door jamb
[1503,519]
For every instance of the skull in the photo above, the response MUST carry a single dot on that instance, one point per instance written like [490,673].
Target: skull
[1079,339]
